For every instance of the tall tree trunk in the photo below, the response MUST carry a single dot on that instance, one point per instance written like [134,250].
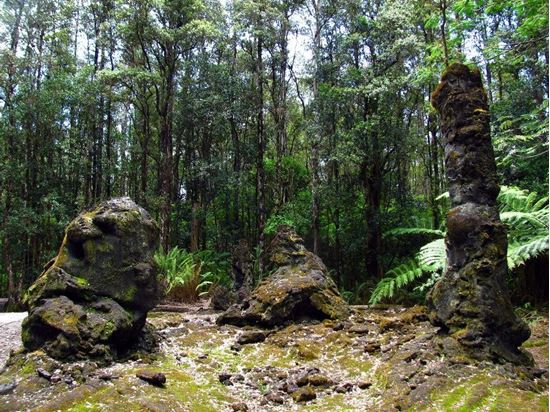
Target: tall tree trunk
[10,160]
[261,144]
[315,221]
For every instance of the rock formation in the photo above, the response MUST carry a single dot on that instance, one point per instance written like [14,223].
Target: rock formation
[242,275]
[299,286]
[92,299]
[471,300]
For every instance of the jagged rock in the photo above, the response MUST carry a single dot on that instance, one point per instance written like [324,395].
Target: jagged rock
[300,286]
[92,299]
[241,271]
[471,300]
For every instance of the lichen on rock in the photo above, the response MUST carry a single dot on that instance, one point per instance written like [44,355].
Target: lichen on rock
[92,300]
[471,300]
[299,286]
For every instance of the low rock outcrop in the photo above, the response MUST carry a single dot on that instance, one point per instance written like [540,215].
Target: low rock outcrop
[92,299]
[299,286]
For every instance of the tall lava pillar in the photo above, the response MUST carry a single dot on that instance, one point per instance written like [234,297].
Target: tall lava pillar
[471,302]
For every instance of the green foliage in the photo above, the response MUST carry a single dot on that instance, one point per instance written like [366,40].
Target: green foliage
[429,260]
[189,276]
[524,213]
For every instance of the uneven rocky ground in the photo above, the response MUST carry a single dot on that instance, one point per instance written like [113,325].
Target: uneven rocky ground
[379,360]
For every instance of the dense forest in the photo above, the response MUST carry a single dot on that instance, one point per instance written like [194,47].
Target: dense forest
[227,119]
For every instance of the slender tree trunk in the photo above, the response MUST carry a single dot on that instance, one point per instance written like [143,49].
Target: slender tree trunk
[10,160]
[261,144]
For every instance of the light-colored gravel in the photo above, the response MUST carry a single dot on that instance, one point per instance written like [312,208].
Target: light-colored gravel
[10,333]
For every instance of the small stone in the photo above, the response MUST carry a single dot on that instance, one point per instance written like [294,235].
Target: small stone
[251,337]
[236,347]
[55,378]
[344,388]
[275,397]
[239,407]
[68,380]
[359,329]
[364,385]
[7,387]
[238,378]
[106,377]
[304,394]
[154,378]
[224,378]
[338,326]
[203,356]
[43,373]
[319,379]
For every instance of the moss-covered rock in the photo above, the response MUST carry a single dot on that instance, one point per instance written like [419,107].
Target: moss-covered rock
[300,286]
[471,301]
[92,300]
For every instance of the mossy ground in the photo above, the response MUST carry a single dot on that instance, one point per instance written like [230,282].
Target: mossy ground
[404,371]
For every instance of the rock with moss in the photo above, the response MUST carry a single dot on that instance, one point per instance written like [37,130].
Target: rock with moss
[92,299]
[298,287]
[471,301]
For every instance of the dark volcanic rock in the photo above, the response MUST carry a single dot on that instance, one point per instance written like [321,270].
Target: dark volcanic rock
[253,336]
[93,298]
[471,300]
[241,271]
[154,378]
[300,286]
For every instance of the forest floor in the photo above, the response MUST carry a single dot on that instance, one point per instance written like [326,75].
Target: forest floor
[378,360]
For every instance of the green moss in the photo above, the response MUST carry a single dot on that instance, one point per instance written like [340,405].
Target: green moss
[81,281]
[482,393]
[535,343]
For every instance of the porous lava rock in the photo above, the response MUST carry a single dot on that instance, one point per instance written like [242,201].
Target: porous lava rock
[471,301]
[241,272]
[91,301]
[298,287]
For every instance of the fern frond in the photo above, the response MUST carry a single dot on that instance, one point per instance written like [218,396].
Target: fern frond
[433,255]
[411,231]
[396,278]
[519,253]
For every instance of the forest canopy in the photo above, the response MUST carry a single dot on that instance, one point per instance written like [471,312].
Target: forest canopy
[227,118]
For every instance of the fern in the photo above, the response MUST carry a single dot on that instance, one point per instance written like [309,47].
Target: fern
[519,253]
[526,217]
[408,231]
[396,278]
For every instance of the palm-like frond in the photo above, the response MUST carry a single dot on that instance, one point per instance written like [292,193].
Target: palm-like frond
[526,217]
